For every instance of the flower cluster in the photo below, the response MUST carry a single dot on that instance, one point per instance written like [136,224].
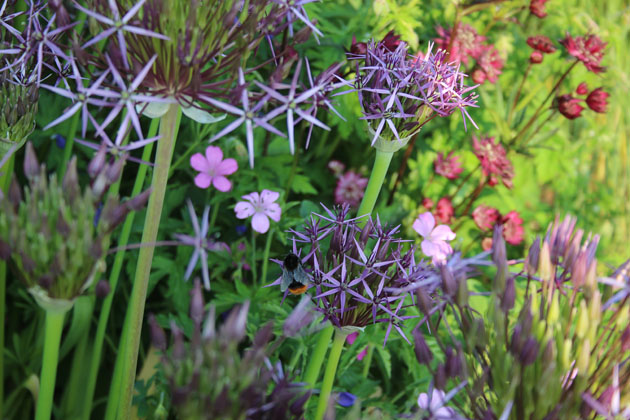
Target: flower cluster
[587,49]
[361,275]
[53,231]
[210,377]
[405,92]
[350,189]
[464,45]
[447,166]
[541,45]
[17,113]
[537,8]
[486,218]
[571,107]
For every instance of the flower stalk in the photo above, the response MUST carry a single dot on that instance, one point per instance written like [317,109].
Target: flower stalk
[317,358]
[5,181]
[169,126]
[52,339]
[329,375]
[377,177]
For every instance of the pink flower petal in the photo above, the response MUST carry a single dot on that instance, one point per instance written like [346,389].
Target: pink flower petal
[244,209]
[274,211]
[424,224]
[361,355]
[221,183]
[214,155]
[442,233]
[199,162]
[260,223]
[423,401]
[227,167]
[352,337]
[429,248]
[203,180]
[268,196]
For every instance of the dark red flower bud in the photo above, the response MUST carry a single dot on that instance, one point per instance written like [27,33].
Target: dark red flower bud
[569,106]
[597,100]
[541,43]
[537,8]
[391,41]
[102,289]
[536,57]
[358,48]
[582,89]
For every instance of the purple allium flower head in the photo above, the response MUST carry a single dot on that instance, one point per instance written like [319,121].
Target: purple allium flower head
[359,275]
[405,92]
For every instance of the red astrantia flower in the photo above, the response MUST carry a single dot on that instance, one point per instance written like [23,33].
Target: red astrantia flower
[541,43]
[350,189]
[485,217]
[569,106]
[448,166]
[493,159]
[589,50]
[582,89]
[513,228]
[537,8]
[597,100]
[467,43]
[427,203]
[490,62]
[444,210]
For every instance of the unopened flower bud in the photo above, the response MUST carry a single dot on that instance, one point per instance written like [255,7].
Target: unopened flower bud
[549,354]
[71,181]
[453,363]
[423,352]
[529,352]
[114,170]
[423,300]
[582,89]
[544,264]
[531,264]
[439,378]
[97,163]
[15,195]
[31,165]
[139,201]
[102,289]
[516,343]
[196,303]
[509,295]
[448,281]
[584,358]
[179,349]
[536,57]
[158,337]
[499,257]
[582,325]
[462,292]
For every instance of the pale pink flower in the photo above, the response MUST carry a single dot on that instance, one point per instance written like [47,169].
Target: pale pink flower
[350,189]
[435,243]
[213,169]
[434,404]
[261,207]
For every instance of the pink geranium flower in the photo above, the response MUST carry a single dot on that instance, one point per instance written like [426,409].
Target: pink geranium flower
[435,243]
[261,207]
[213,169]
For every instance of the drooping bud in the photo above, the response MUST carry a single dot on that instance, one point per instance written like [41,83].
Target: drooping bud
[97,163]
[196,303]
[422,350]
[102,289]
[113,171]
[71,188]
[507,300]
[423,301]
[139,201]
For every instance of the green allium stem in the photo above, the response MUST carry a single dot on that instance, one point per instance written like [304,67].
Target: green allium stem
[52,339]
[253,264]
[113,282]
[368,360]
[329,375]
[377,177]
[135,314]
[317,358]
[5,182]
[265,261]
[67,151]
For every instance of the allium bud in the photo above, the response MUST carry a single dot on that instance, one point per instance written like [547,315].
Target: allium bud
[423,352]
[113,171]
[569,106]
[625,340]
[196,303]
[597,100]
[423,300]
[448,281]
[545,268]
[582,89]
[531,264]
[158,337]
[31,165]
[102,289]
[507,300]
[453,363]
[529,352]
[516,343]
[139,201]
[499,257]
[439,378]
[18,108]
[97,163]
[536,57]
[71,188]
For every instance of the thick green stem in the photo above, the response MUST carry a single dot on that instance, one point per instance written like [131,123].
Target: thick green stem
[377,177]
[135,313]
[52,339]
[113,282]
[265,261]
[317,358]
[67,152]
[5,182]
[329,375]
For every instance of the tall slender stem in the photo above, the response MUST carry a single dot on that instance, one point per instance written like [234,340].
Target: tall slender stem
[317,358]
[52,339]
[368,360]
[113,282]
[168,135]
[5,182]
[265,262]
[329,375]
[377,177]
[67,151]
[253,264]
[518,93]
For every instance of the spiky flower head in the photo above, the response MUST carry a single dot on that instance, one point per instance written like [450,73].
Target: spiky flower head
[55,237]
[404,92]
[494,161]
[210,377]
[588,49]
[360,275]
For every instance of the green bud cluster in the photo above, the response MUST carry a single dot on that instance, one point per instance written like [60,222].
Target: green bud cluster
[51,231]
[18,106]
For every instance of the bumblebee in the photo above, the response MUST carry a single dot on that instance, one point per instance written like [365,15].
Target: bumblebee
[294,277]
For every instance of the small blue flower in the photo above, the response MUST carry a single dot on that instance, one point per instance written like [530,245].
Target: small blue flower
[97,214]
[60,140]
[346,399]
[241,230]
